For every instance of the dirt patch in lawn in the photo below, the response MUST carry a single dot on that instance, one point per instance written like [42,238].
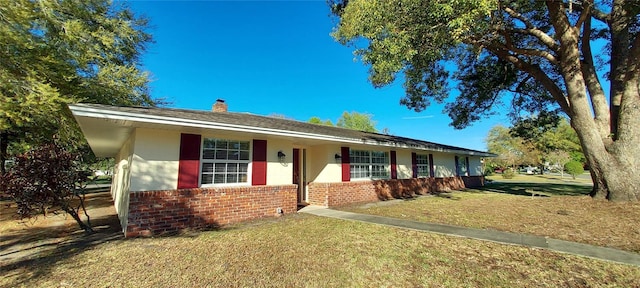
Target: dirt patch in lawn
[40,237]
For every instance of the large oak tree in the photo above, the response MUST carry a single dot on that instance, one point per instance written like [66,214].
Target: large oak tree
[535,55]
[55,52]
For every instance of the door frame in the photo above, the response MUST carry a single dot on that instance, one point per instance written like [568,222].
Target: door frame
[300,174]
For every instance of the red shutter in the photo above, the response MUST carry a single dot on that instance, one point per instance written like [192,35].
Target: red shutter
[394,165]
[432,170]
[346,168]
[259,163]
[189,165]
[414,165]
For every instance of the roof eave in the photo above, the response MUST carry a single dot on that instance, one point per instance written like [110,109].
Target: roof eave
[79,111]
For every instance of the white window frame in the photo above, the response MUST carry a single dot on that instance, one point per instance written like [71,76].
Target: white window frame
[423,165]
[204,161]
[367,161]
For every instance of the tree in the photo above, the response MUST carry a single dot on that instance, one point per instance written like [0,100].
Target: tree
[559,158]
[59,52]
[357,121]
[317,120]
[45,179]
[539,55]
[353,120]
[511,150]
[546,133]
[574,168]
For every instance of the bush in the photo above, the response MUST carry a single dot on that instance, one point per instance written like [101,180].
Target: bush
[45,179]
[574,168]
[488,170]
[508,173]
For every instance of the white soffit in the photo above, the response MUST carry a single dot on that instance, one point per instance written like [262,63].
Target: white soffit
[106,130]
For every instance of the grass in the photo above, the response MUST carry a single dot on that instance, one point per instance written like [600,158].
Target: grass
[304,250]
[563,212]
[546,178]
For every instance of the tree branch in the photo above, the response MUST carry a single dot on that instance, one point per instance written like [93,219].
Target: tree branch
[599,15]
[537,74]
[598,98]
[584,14]
[528,52]
[520,17]
[629,117]
[543,37]
[595,12]
[531,29]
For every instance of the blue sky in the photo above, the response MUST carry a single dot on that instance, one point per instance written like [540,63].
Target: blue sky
[277,57]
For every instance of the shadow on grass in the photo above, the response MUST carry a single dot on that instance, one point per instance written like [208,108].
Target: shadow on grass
[31,251]
[34,251]
[546,189]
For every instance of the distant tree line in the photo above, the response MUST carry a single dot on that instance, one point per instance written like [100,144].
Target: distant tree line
[542,141]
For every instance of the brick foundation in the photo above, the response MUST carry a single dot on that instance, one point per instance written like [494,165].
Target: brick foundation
[343,193]
[158,212]
[473,181]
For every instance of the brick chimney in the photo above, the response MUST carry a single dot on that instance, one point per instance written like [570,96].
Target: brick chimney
[219,106]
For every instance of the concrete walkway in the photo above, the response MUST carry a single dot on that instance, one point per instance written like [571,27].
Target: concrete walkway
[574,248]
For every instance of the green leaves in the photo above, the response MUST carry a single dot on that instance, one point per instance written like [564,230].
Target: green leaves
[59,52]
[413,37]
[353,120]
[357,121]
[533,141]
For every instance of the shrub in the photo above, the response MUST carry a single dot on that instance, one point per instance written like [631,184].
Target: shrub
[508,173]
[574,168]
[45,179]
[488,170]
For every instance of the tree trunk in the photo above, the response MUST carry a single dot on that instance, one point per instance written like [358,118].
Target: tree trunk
[613,179]
[84,226]
[616,183]
[613,161]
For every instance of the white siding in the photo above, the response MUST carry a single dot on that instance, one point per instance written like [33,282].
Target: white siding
[121,181]
[279,172]
[444,165]
[156,158]
[323,167]
[403,164]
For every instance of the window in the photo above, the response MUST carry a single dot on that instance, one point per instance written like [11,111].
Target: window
[422,164]
[369,164]
[462,166]
[224,161]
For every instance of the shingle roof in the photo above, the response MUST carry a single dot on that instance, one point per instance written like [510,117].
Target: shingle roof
[252,120]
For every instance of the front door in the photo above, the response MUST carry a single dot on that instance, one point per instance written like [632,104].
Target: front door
[299,173]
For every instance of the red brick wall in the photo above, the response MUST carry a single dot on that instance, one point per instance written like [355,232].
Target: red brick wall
[157,212]
[473,181]
[337,194]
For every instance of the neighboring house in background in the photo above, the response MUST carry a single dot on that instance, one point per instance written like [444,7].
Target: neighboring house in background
[182,168]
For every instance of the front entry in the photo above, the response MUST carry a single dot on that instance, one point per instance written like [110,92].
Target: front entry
[300,174]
